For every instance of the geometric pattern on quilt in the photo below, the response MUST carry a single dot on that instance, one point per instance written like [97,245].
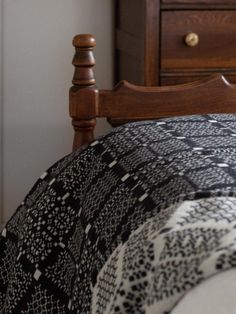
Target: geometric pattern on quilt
[89,202]
[153,270]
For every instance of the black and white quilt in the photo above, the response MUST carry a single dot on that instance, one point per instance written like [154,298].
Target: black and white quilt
[127,225]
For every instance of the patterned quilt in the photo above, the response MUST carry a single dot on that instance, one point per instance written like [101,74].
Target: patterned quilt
[127,225]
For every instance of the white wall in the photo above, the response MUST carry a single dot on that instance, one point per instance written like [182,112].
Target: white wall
[37,73]
[1,114]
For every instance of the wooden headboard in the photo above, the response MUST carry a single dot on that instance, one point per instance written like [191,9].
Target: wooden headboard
[128,102]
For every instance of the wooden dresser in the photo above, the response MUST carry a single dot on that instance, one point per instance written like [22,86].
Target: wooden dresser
[165,42]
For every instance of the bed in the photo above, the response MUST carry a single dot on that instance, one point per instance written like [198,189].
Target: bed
[140,220]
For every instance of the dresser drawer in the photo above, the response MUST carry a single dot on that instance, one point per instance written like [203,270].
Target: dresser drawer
[216,31]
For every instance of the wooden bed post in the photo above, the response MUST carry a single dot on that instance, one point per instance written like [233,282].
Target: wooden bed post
[83,93]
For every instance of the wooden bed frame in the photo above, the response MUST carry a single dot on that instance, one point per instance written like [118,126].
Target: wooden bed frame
[127,102]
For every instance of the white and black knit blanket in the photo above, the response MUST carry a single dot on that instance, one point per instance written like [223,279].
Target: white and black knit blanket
[127,225]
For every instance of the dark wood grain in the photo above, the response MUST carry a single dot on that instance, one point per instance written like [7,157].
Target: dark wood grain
[136,41]
[83,95]
[151,40]
[217,39]
[179,77]
[156,29]
[130,68]
[129,44]
[128,102]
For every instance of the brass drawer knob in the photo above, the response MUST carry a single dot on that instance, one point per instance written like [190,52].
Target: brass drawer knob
[191,40]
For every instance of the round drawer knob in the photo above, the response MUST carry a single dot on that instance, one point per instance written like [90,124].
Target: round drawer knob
[191,39]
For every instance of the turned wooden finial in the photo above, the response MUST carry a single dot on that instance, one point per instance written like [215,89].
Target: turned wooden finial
[84,60]
[83,95]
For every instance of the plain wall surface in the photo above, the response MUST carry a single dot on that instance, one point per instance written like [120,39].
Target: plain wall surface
[37,72]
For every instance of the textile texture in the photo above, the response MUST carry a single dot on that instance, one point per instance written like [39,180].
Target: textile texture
[133,183]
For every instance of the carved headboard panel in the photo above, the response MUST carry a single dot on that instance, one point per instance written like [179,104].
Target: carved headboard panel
[128,102]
